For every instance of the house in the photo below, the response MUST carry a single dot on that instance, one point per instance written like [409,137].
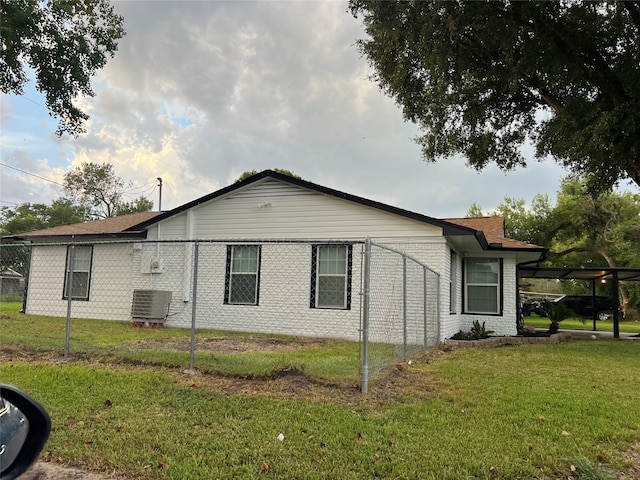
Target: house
[276,254]
[11,282]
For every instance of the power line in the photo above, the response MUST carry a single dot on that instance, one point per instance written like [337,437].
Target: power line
[141,189]
[127,193]
[33,101]
[31,174]
[132,194]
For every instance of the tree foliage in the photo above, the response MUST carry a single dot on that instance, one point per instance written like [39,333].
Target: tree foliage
[579,229]
[482,79]
[522,222]
[250,173]
[64,42]
[29,217]
[99,188]
[140,204]
[592,229]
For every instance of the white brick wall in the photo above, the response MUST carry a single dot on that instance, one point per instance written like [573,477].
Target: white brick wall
[283,307]
[284,296]
[110,284]
[504,324]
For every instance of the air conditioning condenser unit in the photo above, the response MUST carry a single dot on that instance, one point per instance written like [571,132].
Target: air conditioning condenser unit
[150,305]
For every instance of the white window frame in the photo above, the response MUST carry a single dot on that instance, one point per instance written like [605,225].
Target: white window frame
[81,265]
[468,286]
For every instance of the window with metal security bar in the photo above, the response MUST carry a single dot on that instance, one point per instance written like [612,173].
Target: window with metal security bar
[242,283]
[81,281]
[331,267]
[483,285]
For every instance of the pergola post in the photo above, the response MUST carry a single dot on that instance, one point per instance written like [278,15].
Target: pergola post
[616,305]
[594,314]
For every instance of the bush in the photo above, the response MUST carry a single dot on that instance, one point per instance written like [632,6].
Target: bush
[478,331]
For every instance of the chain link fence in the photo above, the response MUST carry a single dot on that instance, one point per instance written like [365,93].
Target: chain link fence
[400,307]
[359,291]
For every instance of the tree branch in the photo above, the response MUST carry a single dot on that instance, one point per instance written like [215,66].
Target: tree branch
[552,233]
[550,100]
[594,66]
[610,260]
[570,250]
[634,12]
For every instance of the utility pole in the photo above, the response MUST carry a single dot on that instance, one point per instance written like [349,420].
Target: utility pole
[160,199]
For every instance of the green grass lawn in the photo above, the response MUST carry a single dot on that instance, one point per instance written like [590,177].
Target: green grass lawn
[526,412]
[329,360]
[578,324]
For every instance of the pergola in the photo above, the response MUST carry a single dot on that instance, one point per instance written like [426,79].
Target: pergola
[608,275]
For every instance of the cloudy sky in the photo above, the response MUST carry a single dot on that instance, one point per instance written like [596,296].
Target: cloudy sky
[200,92]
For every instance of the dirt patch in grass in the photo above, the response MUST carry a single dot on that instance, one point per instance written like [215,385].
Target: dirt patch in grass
[402,383]
[13,353]
[52,471]
[228,344]
[633,455]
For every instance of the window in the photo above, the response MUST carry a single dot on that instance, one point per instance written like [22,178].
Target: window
[243,275]
[483,284]
[81,272]
[331,276]
[453,281]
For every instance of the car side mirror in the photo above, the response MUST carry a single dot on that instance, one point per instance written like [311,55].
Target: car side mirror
[24,430]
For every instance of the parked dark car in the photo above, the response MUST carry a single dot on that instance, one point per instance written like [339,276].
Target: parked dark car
[582,305]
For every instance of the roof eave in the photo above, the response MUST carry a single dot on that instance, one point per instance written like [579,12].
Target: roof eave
[519,249]
[76,237]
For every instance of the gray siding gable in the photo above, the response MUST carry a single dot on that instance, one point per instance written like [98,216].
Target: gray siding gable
[247,191]
[279,210]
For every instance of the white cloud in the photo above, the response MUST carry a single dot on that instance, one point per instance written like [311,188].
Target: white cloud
[28,180]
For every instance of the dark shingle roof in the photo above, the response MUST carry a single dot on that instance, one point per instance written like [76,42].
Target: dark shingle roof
[107,226]
[493,229]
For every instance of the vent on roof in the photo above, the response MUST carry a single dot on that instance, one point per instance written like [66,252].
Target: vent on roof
[150,305]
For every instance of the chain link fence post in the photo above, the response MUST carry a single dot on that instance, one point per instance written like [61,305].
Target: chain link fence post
[69,292]
[405,340]
[425,305]
[194,299]
[364,370]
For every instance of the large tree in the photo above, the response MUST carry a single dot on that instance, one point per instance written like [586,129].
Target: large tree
[64,42]
[484,78]
[98,187]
